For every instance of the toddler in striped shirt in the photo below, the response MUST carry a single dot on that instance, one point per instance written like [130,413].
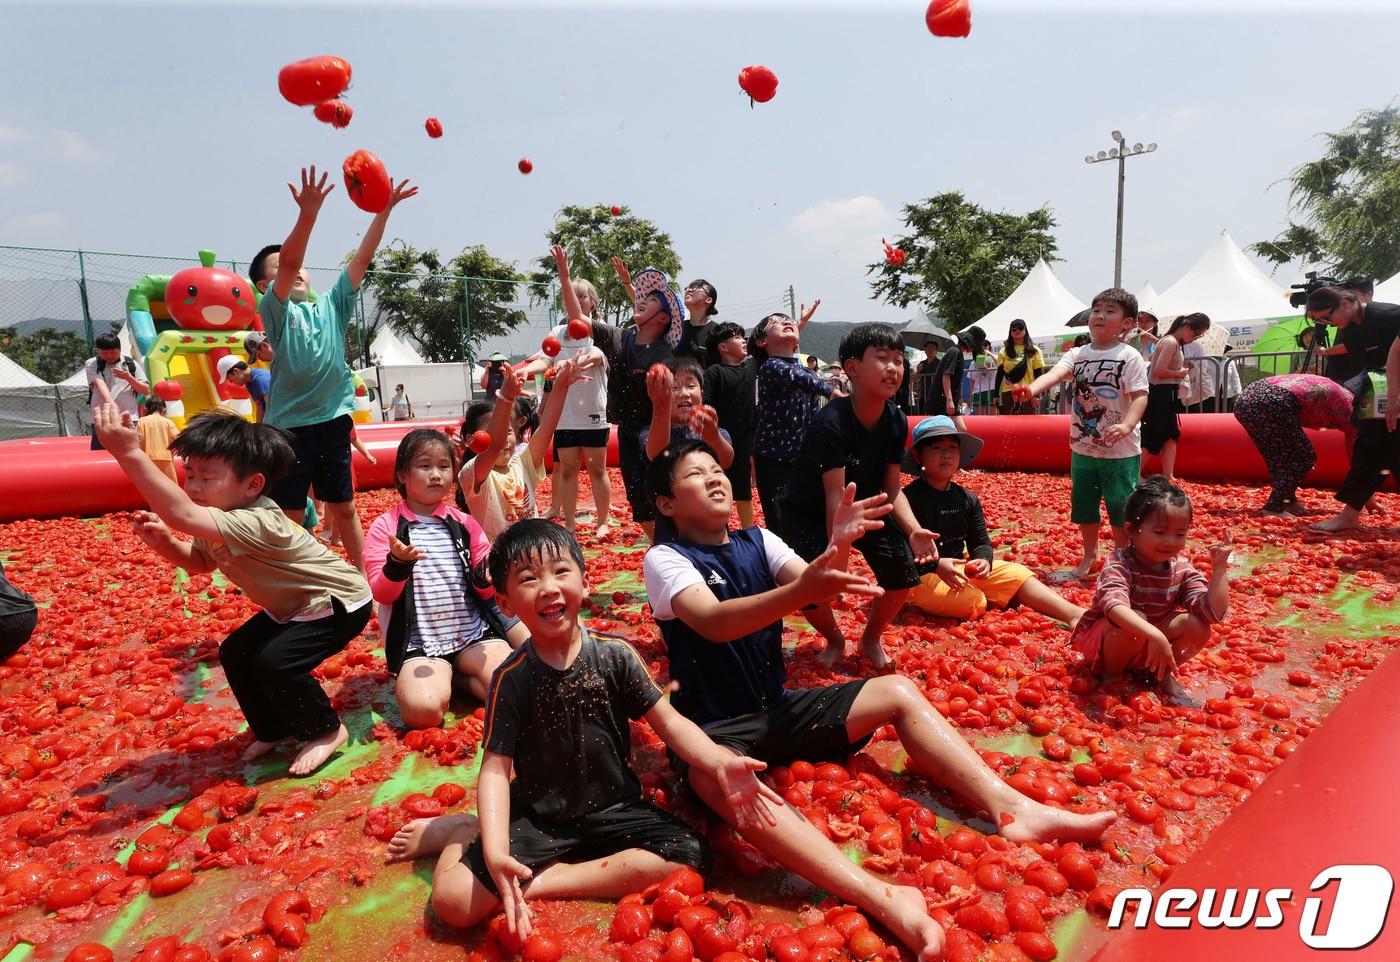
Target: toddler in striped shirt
[1152,609]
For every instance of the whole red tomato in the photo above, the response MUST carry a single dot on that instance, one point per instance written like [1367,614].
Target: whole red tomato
[310,81]
[89,952]
[336,112]
[579,328]
[551,346]
[631,923]
[170,881]
[367,181]
[148,862]
[542,946]
[481,440]
[525,166]
[434,127]
[66,893]
[759,82]
[949,18]
[616,210]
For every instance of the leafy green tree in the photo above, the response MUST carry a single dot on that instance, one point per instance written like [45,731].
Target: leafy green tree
[1347,202]
[47,352]
[962,260]
[593,237]
[444,306]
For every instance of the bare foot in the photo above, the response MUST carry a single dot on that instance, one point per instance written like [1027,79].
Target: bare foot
[902,910]
[832,653]
[1074,622]
[429,836]
[1334,525]
[1081,571]
[317,752]
[257,750]
[603,532]
[552,514]
[875,652]
[1374,505]
[1026,820]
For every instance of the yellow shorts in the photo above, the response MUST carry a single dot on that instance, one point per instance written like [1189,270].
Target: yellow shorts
[1000,585]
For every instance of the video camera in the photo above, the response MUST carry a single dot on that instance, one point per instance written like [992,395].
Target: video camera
[1311,282]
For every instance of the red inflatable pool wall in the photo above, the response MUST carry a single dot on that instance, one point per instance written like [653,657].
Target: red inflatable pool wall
[1323,807]
[51,477]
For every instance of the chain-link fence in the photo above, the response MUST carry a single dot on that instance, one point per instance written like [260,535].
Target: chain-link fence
[54,302]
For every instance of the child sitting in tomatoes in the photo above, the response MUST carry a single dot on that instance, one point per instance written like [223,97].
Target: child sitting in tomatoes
[572,823]
[966,578]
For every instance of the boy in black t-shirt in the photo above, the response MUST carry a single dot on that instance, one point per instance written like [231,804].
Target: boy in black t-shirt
[719,597]
[572,823]
[859,439]
[730,387]
[966,577]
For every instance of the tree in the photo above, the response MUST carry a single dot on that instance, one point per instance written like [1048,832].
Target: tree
[593,237]
[1347,202]
[47,353]
[961,260]
[421,297]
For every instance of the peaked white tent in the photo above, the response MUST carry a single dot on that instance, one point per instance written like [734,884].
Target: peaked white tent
[1388,291]
[1040,300]
[1230,288]
[12,374]
[1148,298]
[388,349]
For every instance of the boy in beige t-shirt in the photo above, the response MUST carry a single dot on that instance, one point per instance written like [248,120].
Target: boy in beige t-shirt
[314,603]
[498,487]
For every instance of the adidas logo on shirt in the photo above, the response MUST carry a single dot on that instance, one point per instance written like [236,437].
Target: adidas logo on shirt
[715,578]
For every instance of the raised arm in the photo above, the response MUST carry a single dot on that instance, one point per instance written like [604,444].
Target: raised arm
[293,254]
[511,388]
[118,435]
[369,243]
[721,622]
[567,375]
[572,308]
[625,277]
[661,390]
[805,314]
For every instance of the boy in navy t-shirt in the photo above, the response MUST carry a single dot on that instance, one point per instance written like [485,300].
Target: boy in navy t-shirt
[678,411]
[720,597]
[859,439]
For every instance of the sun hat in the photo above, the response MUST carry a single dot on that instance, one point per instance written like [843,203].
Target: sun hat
[498,356]
[253,341]
[941,426]
[653,281]
[227,363]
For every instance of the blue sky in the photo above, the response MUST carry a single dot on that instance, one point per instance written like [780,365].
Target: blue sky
[159,129]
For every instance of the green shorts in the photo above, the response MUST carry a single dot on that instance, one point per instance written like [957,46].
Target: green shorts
[1092,479]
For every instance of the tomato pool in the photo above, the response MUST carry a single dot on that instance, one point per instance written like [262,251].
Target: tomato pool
[130,829]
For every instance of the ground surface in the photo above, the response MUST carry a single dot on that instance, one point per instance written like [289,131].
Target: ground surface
[119,746]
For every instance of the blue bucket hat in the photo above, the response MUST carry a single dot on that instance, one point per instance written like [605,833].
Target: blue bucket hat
[941,426]
[654,281]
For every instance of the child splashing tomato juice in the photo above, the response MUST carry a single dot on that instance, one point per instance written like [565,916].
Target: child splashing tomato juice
[439,626]
[1152,609]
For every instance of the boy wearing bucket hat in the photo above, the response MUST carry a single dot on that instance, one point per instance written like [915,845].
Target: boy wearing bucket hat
[658,315]
[966,577]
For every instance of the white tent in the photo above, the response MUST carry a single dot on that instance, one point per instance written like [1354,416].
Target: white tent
[1148,298]
[1388,291]
[388,349]
[1041,301]
[13,375]
[1227,286]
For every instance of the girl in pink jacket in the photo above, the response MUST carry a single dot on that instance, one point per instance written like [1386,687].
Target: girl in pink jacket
[426,562]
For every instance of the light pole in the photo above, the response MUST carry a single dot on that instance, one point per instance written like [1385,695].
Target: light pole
[1121,153]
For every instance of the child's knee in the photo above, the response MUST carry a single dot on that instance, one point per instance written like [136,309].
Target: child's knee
[459,899]
[420,712]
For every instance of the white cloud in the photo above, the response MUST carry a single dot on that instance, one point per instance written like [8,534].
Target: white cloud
[41,225]
[66,146]
[831,220]
[11,174]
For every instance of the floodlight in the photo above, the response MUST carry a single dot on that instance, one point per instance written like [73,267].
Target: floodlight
[1089,159]
[1151,147]
[1113,152]
[1137,148]
[1117,135]
[1102,155]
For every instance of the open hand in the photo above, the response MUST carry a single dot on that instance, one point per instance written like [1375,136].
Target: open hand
[508,874]
[1117,433]
[923,543]
[115,429]
[313,193]
[950,574]
[512,384]
[705,423]
[805,313]
[623,274]
[569,372]
[403,552]
[748,797]
[561,257]
[150,529]
[403,190]
[822,582]
[854,518]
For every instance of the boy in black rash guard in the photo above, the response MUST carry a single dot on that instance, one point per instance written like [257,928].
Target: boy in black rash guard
[859,439]
[730,387]
[966,576]
[572,823]
[719,597]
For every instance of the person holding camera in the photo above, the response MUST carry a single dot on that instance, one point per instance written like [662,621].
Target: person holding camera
[121,375]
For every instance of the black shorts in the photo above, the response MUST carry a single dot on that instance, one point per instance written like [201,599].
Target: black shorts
[323,464]
[808,724]
[885,549]
[634,824]
[633,463]
[1161,422]
[740,473]
[581,438]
